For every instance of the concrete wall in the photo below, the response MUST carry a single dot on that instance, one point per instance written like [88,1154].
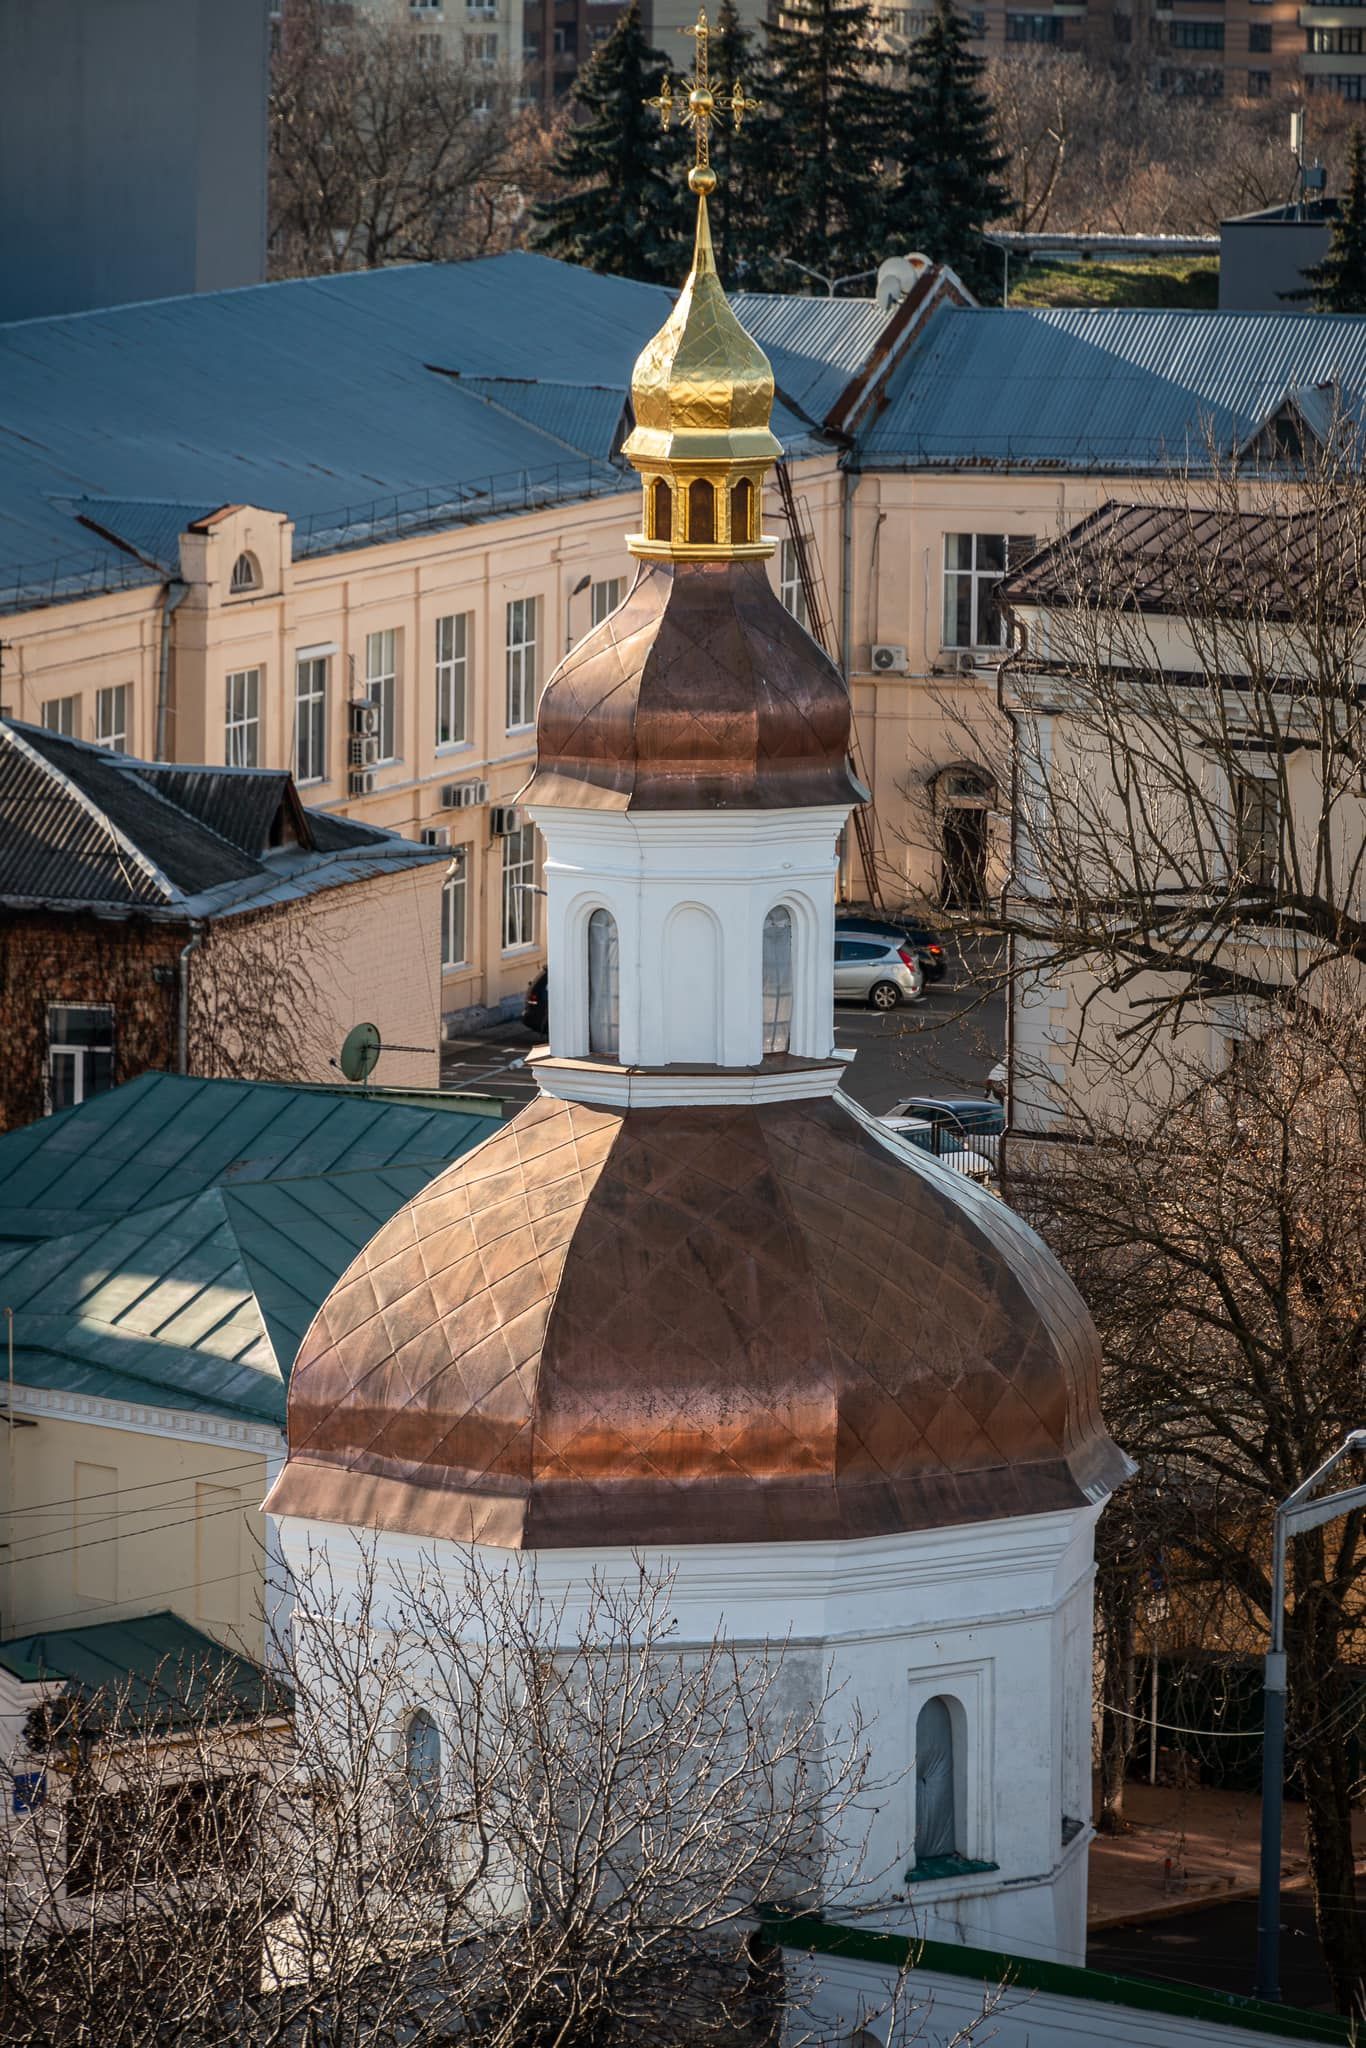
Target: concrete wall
[132,150]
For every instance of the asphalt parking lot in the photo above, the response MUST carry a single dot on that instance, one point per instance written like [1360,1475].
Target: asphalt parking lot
[944,1045]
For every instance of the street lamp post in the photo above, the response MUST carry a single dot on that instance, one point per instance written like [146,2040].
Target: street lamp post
[1296,1513]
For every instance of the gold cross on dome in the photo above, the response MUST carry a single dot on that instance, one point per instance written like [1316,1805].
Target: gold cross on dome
[702,106]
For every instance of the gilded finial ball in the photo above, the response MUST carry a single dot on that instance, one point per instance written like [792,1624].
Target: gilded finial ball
[702,179]
[700,100]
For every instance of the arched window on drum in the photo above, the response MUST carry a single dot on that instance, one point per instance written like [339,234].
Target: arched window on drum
[936,1794]
[604,987]
[777,961]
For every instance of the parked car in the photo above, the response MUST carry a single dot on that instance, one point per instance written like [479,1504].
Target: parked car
[924,943]
[876,972]
[536,1009]
[958,1124]
[977,1160]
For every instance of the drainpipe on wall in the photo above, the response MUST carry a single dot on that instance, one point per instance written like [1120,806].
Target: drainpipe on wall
[182,975]
[852,476]
[173,595]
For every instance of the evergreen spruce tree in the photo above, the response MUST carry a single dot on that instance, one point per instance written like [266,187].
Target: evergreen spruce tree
[622,212]
[1338,283]
[948,185]
[821,139]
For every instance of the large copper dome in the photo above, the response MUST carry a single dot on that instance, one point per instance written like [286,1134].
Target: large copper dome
[706,1325]
[700,691]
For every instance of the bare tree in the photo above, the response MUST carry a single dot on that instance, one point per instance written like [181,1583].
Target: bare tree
[1224,1259]
[260,1000]
[482,1818]
[386,150]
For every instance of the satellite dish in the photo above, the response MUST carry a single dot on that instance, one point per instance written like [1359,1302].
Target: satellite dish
[896,277]
[360,1052]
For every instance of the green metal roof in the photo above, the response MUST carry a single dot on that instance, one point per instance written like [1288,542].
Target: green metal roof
[156,1669]
[199,1299]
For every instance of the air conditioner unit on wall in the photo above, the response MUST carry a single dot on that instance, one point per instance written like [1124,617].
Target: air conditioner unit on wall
[890,661]
[435,835]
[364,719]
[504,820]
[360,782]
[966,662]
[463,796]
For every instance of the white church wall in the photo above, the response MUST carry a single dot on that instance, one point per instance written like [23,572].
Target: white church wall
[690,892]
[977,1614]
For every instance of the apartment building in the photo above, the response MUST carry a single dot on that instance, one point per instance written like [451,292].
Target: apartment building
[347,526]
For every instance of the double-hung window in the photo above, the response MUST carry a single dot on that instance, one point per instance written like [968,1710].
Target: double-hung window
[242,726]
[974,566]
[62,714]
[80,1052]
[521,663]
[111,717]
[519,888]
[455,945]
[381,687]
[606,596]
[310,718]
[791,589]
[453,637]
[1257,830]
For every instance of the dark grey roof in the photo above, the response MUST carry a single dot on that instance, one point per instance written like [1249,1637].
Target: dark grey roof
[81,827]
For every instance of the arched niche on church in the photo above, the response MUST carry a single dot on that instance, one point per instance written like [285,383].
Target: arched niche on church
[692,987]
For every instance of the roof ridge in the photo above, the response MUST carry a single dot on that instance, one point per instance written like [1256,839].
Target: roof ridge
[8,730]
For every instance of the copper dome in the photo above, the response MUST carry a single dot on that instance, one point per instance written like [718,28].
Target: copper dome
[705,1325]
[700,691]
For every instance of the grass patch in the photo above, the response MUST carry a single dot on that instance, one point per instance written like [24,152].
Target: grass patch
[1145,281]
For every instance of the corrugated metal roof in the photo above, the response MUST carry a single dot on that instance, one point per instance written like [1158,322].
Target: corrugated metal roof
[156,1670]
[320,398]
[1100,390]
[585,417]
[815,345]
[151,527]
[83,827]
[199,1302]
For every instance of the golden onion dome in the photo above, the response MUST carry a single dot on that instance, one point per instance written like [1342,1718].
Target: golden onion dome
[702,389]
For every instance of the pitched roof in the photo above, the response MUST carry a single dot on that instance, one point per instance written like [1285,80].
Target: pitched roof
[317,394]
[81,827]
[158,1668]
[169,1242]
[1069,388]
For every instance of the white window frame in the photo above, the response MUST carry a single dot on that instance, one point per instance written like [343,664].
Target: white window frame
[113,705]
[245,575]
[454,640]
[604,597]
[62,715]
[381,687]
[242,718]
[59,1049]
[522,640]
[519,890]
[455,912]
[310,717]
[791,590]
[982,579]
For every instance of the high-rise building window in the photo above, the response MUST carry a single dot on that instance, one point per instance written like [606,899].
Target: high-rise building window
[606,596]
[381,687]
[111,717]
[80,1052]
[454,635]
[310,718]
[242,725]
[974,565]
[1196,35]
[62,714]
[521,663]
[791,589]
[455,947]
[1259,35]
[519,888]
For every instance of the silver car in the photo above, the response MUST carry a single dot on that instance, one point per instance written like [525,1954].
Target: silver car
[874,971]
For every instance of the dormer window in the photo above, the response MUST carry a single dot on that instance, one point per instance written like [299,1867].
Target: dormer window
[246,575]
